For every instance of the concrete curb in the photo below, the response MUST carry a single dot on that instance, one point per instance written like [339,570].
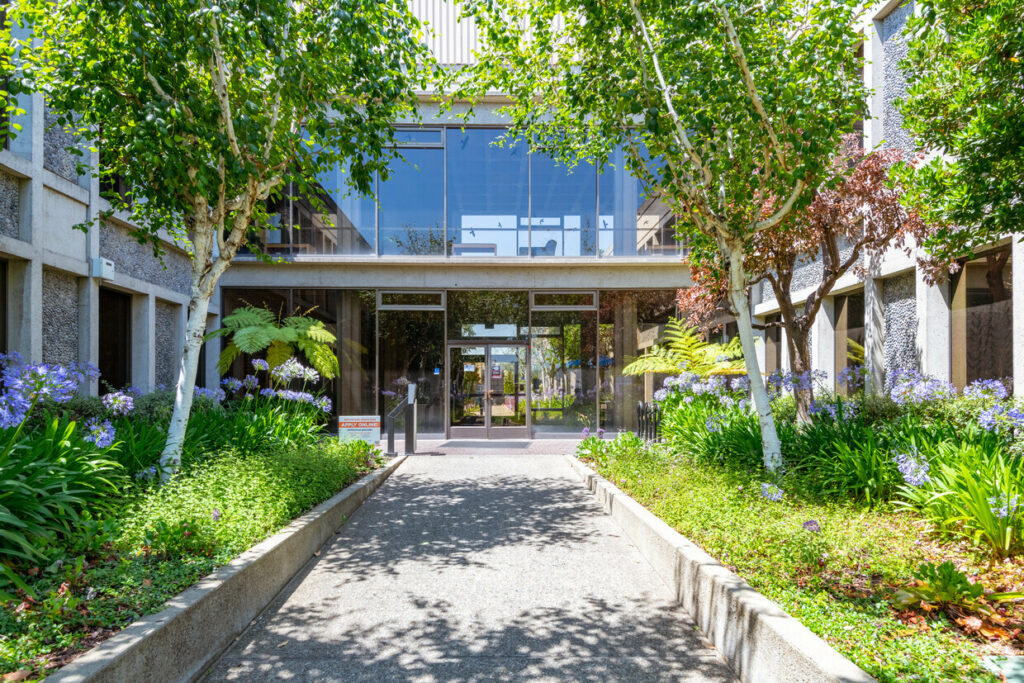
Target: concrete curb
[758,639]
[180,641]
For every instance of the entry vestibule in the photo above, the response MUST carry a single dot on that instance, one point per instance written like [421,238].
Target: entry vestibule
[487,363]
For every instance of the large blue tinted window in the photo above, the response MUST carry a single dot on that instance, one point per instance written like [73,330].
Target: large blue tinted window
[350,224]
[632,220]
[488,208]
[563,208]
[412,204]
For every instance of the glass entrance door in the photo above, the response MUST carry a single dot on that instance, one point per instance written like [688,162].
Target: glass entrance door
[488,390]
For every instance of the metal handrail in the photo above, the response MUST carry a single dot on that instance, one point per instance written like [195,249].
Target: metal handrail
[408,404]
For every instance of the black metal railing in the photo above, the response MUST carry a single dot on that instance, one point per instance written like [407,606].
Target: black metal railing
[408,406]
[648,421]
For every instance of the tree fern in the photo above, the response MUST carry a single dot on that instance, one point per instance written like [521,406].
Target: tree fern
[685,350]
[251,330]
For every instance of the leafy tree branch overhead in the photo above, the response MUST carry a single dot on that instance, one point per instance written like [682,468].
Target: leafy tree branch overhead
[208,108]
[725,108]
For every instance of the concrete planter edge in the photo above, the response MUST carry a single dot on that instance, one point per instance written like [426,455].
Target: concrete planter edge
[761,642]
[179,642]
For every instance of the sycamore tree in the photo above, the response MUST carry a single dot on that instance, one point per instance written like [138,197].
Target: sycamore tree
[965,106]
[854,217]
[731,110]
[205,108]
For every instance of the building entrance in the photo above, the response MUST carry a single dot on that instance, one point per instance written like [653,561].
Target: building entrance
[489,396]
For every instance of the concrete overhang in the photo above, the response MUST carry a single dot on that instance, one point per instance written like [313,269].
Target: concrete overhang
[430,272]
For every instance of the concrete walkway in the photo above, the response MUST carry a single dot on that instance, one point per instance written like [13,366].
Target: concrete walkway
[494,565]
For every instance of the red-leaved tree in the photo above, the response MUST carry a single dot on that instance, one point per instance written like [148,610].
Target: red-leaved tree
[859,216]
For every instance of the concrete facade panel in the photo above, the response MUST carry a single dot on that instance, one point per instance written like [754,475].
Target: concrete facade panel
[899,298]
[10,206]
[54,232]
[56,157]
[60,317]
[166,338]
[129,256]
[894,82]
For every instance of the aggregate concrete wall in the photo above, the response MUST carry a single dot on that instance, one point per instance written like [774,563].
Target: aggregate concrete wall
[60,317]
[10,206]
[894,82]
[129,256]
[167,342]
[56,157]
[900,303]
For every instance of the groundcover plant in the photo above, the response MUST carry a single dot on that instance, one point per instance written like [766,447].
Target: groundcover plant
[895,529]
[90,539]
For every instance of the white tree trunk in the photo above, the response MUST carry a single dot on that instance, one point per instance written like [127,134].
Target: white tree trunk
[770,445]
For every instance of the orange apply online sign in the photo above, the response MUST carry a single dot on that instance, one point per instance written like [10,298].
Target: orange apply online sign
[359,428]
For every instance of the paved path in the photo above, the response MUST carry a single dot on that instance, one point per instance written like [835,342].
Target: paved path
[490,566]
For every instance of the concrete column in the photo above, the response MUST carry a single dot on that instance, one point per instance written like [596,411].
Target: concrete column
[89,327]
[874,334]
[1017,263]
[144,341]
[823,341]
[784,351]
[933,328]
[25,312]
[761,343]
[212,351]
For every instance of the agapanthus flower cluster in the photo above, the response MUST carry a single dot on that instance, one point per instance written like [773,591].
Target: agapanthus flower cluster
[661,394]
[714,423]
[22,384]
[231,384]
[836,411]
[740,384]
[812,525]
[771,492]
[323,402]
[292,369]
[260,364]
[852,377]
[1004,506]
[1001,417]
[780,381]
[250,382]
[986,388]
[913,467]
[268,393]
[148,473]
[215,394]
[911,387]
[585,434]
[101,434]
[119,403]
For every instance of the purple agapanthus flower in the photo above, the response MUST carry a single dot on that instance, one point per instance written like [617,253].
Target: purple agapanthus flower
[119,403]
[812,525]
[231,384]
[913,466]
[771,492]
[585,433]
[324,404]
[215,394]
[250,382]
[985,388]
[268,393]
[215,515]
[260,364]
[100,434]
[714,423]
[1004,506]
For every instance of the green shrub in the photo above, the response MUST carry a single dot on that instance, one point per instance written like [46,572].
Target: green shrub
[250,424]
[142,442]
[234,500]
[47,478]
[973,492]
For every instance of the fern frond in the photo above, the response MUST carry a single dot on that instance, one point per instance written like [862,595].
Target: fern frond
[278,353]
[226,358]
[253,339]
[248,316]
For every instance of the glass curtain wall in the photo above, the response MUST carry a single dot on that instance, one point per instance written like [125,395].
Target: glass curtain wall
[564,383]
[982,319]
[411,340]
[468,192]
[849,334]
[488,194]
[631,322]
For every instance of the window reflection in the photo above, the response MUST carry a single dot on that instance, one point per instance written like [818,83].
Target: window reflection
[412,204]
[563,205]
[982,319]
[563,371]
[488,208]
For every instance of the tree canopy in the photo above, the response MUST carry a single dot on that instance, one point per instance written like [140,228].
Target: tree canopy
[731,111]
[965,70]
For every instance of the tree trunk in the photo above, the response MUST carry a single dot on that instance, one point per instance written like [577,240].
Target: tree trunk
[800,363]
[770,445]
[195,330]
